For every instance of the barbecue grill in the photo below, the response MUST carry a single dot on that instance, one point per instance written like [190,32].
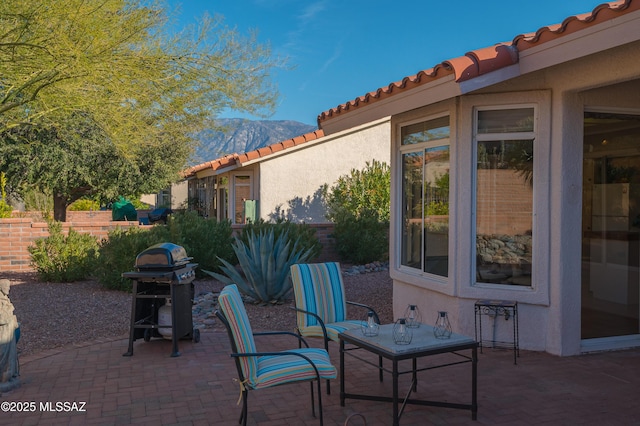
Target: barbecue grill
[163,273]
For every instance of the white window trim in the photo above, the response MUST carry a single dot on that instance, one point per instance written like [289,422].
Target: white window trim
[399,272]
[538,293]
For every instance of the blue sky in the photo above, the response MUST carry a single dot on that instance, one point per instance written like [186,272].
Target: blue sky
[343,49]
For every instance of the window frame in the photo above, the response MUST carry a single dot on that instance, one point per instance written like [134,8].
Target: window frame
[399,272]
[420,147]
[495,137]
[468,287]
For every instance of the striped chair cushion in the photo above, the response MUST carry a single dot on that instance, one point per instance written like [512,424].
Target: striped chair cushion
[280,369]
[333,329]
[232,307]
[318,288]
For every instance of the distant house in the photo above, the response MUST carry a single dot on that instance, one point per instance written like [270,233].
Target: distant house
[515,176]
[284,180]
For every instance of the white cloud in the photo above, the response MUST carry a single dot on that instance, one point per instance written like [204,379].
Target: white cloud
[337,52]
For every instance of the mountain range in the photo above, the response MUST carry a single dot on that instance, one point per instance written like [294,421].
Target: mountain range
[239,135]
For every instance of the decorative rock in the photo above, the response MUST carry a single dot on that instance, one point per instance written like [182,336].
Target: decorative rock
[204,311]
[369,267]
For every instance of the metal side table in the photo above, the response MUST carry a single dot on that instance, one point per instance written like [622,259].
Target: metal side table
[498,308]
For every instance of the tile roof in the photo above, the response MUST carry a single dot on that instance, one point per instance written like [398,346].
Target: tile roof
[237,160]
[485,60]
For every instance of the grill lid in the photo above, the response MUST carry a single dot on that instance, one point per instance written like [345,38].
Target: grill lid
[162,256]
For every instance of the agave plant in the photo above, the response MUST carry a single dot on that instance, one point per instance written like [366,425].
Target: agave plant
[265,262]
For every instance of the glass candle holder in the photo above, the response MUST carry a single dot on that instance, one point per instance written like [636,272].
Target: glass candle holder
[369,326]
[442,329]
[412,316]
[402,334]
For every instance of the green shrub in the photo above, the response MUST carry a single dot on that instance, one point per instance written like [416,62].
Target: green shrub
[437,208]
[301,232]
[361,239]
[118,254]
[139,205]
[203,239]
[265,262]
[5,209]
[359,206]
[361,191]
[84,205]
[61,258]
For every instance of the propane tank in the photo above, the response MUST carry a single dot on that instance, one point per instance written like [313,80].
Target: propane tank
[164,318]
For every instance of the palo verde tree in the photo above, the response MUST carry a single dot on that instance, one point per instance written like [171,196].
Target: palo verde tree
[120,62]
[109,83]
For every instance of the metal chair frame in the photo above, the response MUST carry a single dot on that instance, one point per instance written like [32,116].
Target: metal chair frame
[245,389]
[326,337]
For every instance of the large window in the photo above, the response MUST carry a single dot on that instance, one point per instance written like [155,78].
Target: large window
[504,195]
[425,196]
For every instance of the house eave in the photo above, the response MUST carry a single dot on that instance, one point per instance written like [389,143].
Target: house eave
[620,30]
[435,91]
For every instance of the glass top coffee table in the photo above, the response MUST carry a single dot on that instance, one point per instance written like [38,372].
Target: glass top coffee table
[423,344]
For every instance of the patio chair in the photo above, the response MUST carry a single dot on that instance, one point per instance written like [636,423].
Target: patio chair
[258,370]
[321,303]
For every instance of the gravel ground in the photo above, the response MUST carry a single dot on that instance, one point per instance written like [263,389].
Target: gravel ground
[53,315]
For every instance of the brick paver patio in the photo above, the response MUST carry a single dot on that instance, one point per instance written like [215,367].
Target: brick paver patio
[198,388]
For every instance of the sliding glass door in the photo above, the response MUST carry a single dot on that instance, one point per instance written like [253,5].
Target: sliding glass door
[611,225]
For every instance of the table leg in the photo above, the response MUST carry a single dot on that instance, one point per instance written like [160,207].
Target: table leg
[414,375]
[341,373]
[396,419]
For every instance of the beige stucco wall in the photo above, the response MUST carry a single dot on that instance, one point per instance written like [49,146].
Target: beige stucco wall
[549,311]
[290,183]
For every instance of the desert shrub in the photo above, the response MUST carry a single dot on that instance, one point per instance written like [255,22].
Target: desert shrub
[118,253]
[301,232]
[361,239]
[361,191]
[206,240]
[359,206]
[5,208]
[437,208]
[61,258]
[265,262]
[84,205]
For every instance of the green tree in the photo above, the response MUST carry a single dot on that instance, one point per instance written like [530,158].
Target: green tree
[121,63]
[77,160]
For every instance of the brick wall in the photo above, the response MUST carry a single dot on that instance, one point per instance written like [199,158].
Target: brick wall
[18,233]
[323,232]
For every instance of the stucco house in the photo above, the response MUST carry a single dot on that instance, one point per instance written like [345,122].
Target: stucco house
[284,180]
[516,176]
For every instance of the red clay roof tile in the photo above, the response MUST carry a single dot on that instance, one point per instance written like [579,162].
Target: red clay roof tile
[485,60]
[239,159]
